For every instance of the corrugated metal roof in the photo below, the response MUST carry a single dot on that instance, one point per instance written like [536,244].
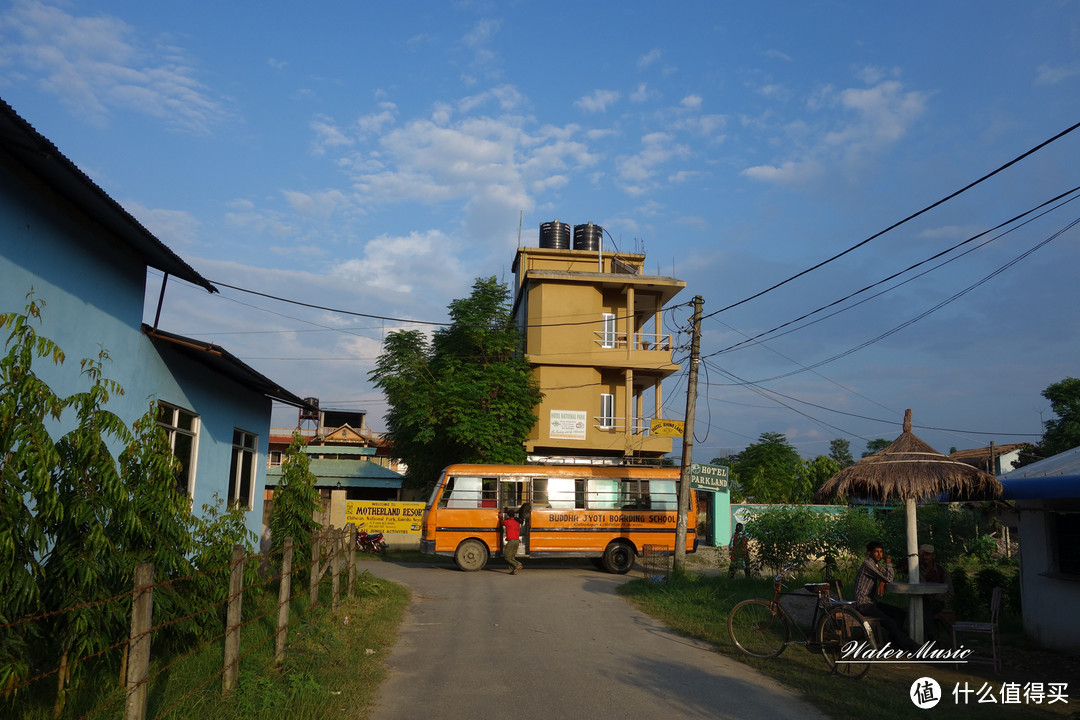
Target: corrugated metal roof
[350,473]
[222,362]
[1056,477]
[20,141]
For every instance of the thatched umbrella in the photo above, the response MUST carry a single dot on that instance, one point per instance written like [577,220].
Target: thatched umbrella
[910,470]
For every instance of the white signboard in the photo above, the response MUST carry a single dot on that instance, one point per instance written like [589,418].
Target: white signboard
[567,424]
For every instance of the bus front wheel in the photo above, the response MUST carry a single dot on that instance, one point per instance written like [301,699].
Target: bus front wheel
[618,558]
[471,556]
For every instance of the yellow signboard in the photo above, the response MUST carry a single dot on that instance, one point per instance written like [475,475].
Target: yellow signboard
[389,517]
[666,428]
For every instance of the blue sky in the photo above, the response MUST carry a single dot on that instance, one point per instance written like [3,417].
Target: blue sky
[377,157]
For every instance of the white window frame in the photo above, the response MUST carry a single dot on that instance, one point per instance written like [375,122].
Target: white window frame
[607,410]
[607,334]
[245,453]
[172,419]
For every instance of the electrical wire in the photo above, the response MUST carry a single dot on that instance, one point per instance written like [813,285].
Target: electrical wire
[897,224]
[751,340]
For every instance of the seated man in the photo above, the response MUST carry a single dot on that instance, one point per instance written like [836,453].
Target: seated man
[869,583]
[930,571]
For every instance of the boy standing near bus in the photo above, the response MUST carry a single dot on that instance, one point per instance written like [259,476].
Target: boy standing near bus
[511,540]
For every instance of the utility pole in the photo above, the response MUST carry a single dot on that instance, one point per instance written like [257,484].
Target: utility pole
[688,438]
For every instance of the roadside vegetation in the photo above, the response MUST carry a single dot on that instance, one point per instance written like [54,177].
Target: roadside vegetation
[697,605]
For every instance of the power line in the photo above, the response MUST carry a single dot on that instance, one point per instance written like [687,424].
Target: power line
[926,313]
[899,223]
[751,340]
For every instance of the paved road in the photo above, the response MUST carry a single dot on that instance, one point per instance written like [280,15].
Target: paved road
[555,642]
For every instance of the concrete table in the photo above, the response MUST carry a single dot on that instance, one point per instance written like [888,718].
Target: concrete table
[915,602]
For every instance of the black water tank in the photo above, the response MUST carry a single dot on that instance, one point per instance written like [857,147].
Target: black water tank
[555,235]
[588,237]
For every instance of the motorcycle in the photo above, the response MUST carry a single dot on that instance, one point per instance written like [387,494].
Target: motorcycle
[370,542]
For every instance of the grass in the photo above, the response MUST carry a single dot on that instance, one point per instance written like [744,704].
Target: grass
[697,605]
[333,667]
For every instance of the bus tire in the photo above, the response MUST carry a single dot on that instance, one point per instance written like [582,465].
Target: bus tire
[618,557]
[471,555]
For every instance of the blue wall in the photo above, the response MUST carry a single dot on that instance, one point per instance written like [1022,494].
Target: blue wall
[94,292]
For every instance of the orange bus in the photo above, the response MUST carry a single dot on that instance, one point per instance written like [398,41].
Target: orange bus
[607,513]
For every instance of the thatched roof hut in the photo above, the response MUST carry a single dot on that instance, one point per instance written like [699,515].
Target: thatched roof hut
[909,469]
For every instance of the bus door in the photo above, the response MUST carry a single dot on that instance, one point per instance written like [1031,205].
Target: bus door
[514,494]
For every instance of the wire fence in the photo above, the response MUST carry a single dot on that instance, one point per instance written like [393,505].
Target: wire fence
[332,558]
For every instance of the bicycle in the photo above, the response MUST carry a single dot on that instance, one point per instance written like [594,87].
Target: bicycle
[762,628]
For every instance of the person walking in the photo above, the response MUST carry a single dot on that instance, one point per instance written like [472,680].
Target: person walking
[739,552]
[511,540]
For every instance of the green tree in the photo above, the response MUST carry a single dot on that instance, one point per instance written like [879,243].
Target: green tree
[811,475]
[295,499]
[1063,432]
[466,396]
[840,451]
[875,446]
[767,469]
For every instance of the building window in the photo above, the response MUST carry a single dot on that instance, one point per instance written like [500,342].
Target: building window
[242,469]
[275,458]
[182,429]
[607,337]
[607,410]
[1065,543]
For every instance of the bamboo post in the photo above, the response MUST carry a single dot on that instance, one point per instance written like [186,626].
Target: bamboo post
[316,573]
[335,571]
[138,654]
[284,592]
[232,622]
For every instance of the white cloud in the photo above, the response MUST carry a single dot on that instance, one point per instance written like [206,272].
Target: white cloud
[1054,74]
[398,264]
[648,59]
[777,55]
[598,101]
[97,65]
[641,94]
[320,204]
[175,228]
[327,136]
[483,32]
[866,122]
[636,171]
[692,102]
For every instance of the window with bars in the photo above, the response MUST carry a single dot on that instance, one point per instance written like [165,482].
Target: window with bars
[607,410]
[242,469]
[182,429]
[607,336]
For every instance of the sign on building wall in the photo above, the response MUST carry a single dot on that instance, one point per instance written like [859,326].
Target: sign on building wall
[568,425]
[666,428]
[389,517]
[709,477]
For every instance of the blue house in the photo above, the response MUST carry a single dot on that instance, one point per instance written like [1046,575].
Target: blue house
[78,251]
[1047,497]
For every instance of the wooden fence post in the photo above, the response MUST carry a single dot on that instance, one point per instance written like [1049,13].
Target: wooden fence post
[284,592]
[351,539]
[335,570]
[138,657]
[316,572]
[232,621]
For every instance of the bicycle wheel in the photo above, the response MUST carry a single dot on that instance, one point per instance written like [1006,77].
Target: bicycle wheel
[842,631]
[758,629]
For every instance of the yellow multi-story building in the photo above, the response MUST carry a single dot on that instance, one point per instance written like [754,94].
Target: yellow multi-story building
[594,335]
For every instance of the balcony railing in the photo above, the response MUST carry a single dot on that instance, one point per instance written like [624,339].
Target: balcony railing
[642,341]
[639,426]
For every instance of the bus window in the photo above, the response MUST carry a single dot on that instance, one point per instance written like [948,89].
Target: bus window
[664,494]
[540,493]
[603,494]
[560,493]
[468,492]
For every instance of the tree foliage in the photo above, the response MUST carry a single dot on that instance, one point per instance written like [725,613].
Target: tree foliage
[295,499]
[767,471]
[78,512]
[468,395]
[1063,432]
[840,451]
[876,445]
